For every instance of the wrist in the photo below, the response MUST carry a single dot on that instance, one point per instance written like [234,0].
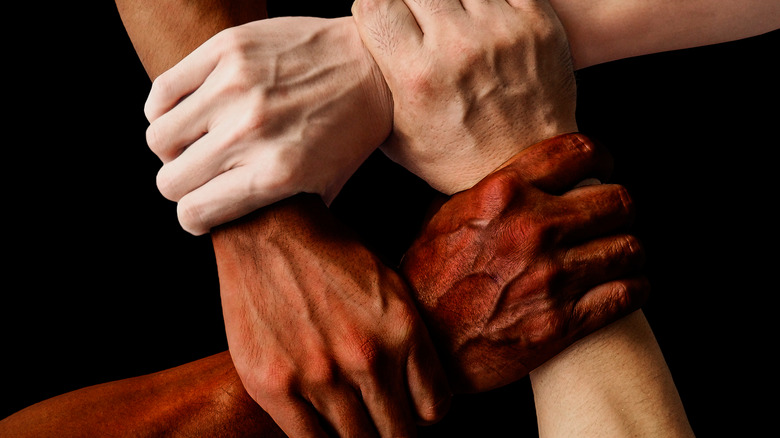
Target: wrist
[381,100]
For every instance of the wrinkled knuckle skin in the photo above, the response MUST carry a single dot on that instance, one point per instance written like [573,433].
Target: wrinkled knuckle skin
[495,193]
[366,357]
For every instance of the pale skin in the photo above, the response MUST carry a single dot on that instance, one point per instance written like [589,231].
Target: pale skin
[305,392]
[218,171]
[575,57]
[614,382]
[207,397]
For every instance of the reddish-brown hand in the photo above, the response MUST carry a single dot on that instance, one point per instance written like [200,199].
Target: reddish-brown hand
[512,271]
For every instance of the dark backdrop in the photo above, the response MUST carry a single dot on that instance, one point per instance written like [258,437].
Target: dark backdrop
[101,284]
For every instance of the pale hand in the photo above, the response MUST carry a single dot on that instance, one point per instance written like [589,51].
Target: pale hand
[473,82]
[263,111]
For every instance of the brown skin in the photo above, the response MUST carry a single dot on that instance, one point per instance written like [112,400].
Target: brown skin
[512,271]
[282,228]
[204,398]
[207,396]
[162,34]
[327,318]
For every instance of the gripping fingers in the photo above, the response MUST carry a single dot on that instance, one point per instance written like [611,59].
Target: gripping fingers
[602,260]
[595,210]
[226,197]
[428,385]
[343,411]
[610,301]
[183,78]
[388,405]
[296,418]
[557,164]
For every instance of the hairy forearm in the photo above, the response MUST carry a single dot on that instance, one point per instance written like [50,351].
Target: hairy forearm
[201,398]
[606,30]
[615,382]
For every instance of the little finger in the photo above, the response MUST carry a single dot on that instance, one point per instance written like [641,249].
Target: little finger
[224,198]
[602,260]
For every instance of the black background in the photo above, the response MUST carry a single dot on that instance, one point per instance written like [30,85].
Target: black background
[102,284]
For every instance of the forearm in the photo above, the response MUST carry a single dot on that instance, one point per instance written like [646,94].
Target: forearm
[614,382]
[605,30]
[165,31]
[201,398]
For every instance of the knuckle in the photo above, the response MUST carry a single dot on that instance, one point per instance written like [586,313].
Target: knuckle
[495,193]
[167,183]
[362,8]
[624,199]
[159,92]
[271,384]
[320,375]
[276,180]
[231,40]
[155,141]
[364,355]
[191,217]
[631,250]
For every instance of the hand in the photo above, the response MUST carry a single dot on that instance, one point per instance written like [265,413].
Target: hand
[316,324]
[473,82]
[263,111]
[511,272]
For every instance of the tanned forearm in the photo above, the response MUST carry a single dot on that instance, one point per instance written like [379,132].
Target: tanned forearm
[165,31]
[201,398]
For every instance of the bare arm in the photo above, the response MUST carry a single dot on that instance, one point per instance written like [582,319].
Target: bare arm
[618,370]
[165,31]
[615,382]
[163,403]
[355,309]
[606,30]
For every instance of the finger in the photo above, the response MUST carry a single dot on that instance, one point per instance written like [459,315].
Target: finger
[296,418]
[428,386]
[558,163]
[344,412]
[387,401]
[608,302]
[602,260]
[201,162]
[225,198]
[183,78]
[595,210]
[386,27]
[172,132]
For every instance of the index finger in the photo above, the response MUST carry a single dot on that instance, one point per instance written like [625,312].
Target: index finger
[186,76]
